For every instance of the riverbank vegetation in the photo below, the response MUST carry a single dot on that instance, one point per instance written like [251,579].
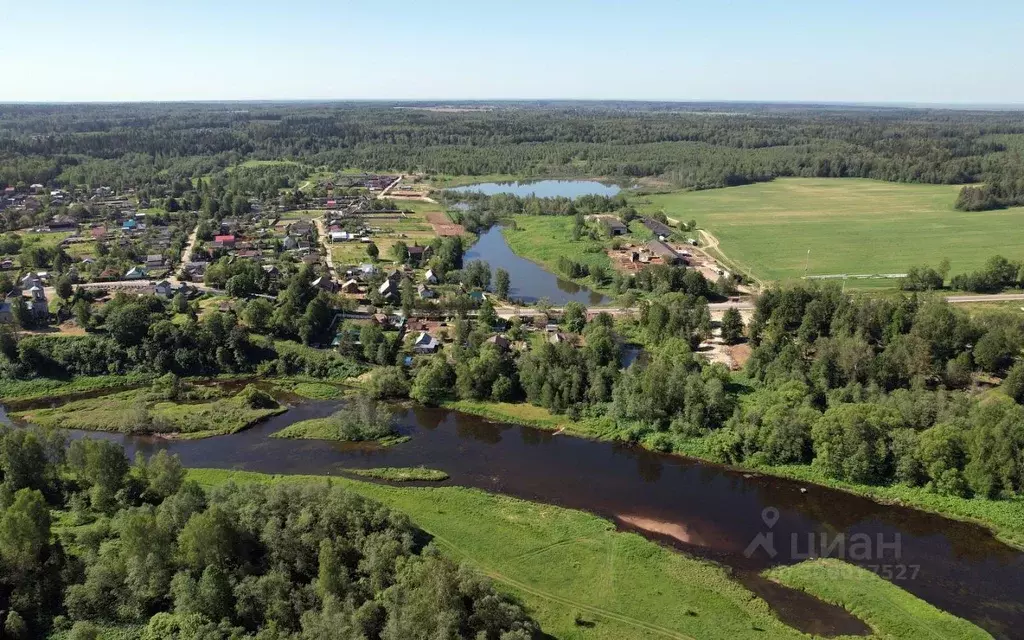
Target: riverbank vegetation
[168,406]
[89,540]
[362,419]
[890,611]
[401,474]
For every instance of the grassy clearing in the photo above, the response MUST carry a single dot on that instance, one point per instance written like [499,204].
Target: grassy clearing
[402,474]
[890,611]
[514,412]
[311,389]
[327,429]
[545,239]
[39,388]
[137,411]
[566,564]
[850,226]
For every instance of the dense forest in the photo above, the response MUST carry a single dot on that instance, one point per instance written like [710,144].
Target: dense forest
[89,540]
[155,146]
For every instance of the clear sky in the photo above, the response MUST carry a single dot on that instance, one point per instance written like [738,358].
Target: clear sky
[920,51]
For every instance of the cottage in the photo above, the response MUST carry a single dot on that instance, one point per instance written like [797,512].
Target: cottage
[62,223]
[271,270]
[154,261]
[164,288]
[389,289]
[6,263]
[418,254]
[135,273]
[227,242]
[350,286]
[425,343]
[325,283]
[381,320]
[130,224]
[663,251]
[425,293]
[30,280]
[430,277]
[98,233]
[500,341]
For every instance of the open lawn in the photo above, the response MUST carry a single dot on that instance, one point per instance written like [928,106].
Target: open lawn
[545,239]
[850,226]
[138,411]
[580,578]
[890,611]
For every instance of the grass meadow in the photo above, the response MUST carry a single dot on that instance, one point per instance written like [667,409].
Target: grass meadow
[582,579]
[851,226]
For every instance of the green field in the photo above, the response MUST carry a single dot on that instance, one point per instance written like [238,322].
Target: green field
[850,226]
[580,578]
[545,239]
[881,604]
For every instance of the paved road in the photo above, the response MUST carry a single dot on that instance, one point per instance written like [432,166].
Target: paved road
[990,297]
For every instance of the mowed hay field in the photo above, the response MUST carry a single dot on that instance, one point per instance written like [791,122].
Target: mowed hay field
[852,226]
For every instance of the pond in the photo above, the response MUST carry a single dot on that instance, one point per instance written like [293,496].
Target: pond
[528,281]
[703,509]
[544,188]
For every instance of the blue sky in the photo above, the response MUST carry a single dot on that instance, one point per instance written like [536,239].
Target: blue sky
[915,51]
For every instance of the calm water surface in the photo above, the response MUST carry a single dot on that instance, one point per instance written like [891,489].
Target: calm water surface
[528,281]
[544,188]
[699,508]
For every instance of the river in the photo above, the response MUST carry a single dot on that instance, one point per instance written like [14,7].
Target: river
[703,509]
[528,281]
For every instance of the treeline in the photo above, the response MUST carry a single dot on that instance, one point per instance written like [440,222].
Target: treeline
[90,541]
[138,334]
[997,274]
[153,145]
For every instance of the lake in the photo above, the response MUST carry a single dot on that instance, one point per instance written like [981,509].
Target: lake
[703,509]
[528,281]
[544,188]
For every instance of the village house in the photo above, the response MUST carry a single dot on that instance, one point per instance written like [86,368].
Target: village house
[326,283]
[154,261]
[425,343]
[164,288]
[418,255]
[389,289]
[225,241]
[425,293]
[500,341]
[350,286]
[430,277]
[135,273]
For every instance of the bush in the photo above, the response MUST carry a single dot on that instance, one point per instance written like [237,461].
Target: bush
[256,398]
